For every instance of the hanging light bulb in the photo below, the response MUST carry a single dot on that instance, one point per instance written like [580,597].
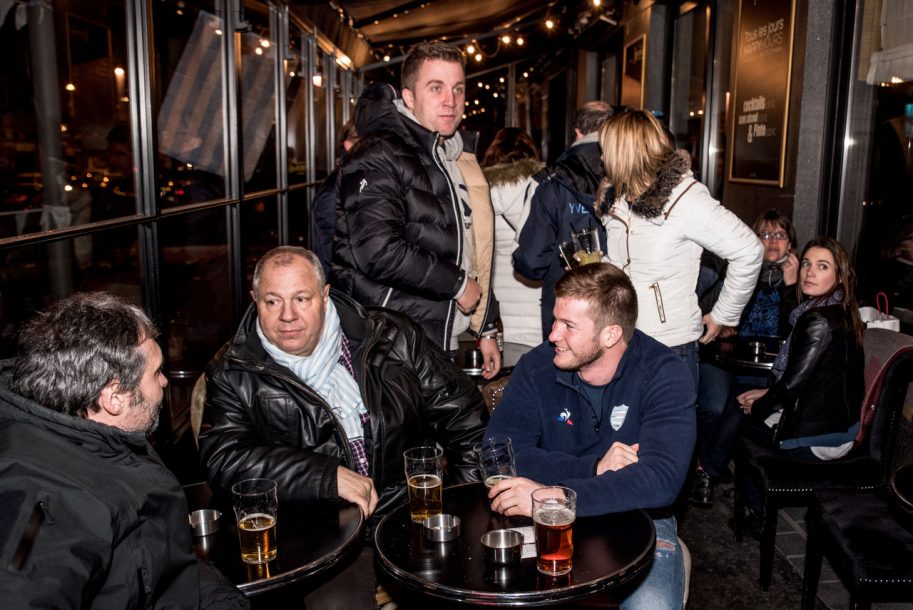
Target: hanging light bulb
[520,41]
[505,39]
[478,57]
[549,23]
[597,2]
[471,49]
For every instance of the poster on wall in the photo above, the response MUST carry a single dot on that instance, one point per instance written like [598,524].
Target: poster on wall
[763,70]
[632,82]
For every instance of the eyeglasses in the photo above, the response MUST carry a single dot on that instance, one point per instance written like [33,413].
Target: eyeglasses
[779,235]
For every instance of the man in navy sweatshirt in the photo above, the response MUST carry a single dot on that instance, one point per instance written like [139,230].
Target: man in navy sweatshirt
[607,411]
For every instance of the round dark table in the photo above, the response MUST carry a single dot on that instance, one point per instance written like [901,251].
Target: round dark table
[902,487]
[311,540]
[736,354]
[608,551]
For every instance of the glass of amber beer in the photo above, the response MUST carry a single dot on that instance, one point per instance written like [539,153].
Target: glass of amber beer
[256,509]
[425,479]
[554,511]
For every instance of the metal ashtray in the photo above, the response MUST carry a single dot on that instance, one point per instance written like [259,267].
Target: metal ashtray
[502,546]
[441,528]
[205,522]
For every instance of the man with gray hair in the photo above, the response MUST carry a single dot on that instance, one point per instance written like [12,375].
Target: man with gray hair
[324,396]
[91,516]
[414,224]
[563,203]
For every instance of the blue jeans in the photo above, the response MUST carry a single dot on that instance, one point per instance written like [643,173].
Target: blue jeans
[719,415]
[688,353]
[664,585]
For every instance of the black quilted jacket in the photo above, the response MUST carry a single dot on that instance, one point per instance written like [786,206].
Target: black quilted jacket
[821,390]
[260,420]
[399,234]
[92,518]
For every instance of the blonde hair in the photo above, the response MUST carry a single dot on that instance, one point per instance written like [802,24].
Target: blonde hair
[634,147]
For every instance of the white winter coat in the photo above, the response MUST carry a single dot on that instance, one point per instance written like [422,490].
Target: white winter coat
[512,187]
[662,256]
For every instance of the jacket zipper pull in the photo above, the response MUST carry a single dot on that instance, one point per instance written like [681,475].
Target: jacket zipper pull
[659,302]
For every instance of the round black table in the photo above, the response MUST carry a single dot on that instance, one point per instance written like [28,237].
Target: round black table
[608,551]
[736,353]
[311,540]
[902,487]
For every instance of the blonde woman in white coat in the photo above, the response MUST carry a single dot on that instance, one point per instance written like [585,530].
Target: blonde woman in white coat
[658,220]
[509,165]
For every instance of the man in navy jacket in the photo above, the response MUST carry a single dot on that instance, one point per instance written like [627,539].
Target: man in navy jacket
[607,411]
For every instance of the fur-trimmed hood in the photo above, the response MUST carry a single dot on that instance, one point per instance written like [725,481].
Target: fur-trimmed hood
[650,204]
[508,173]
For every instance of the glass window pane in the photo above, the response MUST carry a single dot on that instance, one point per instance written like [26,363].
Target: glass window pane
[259,232]
[485,110]
[320,117]
[718,108]
[297,87]
[194,277]
[64,120]
[686,119]
[35,276]
[188,48]
[258,99]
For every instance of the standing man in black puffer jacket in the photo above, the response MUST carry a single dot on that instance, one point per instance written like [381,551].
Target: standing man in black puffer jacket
[414,225]
[563,203]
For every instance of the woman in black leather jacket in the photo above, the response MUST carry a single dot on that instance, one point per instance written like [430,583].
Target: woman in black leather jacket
[812,411]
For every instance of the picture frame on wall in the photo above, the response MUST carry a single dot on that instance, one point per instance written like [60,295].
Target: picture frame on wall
[633,72]
[761,92]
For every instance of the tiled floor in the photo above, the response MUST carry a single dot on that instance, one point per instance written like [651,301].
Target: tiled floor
[790,543]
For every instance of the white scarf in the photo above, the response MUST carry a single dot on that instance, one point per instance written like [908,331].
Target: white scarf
[323,372]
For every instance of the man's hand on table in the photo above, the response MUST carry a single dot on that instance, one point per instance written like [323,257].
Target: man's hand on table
[512,497]
[617,457]
[356,489]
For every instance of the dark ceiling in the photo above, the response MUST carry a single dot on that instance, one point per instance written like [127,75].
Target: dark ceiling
[390,27]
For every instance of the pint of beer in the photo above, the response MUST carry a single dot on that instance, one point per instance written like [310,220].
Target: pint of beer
[256,509]
[554,512]
[425,478]
[495,457]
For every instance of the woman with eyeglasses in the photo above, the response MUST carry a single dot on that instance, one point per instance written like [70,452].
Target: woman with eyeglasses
[766,315]
[812,410]
[658,220]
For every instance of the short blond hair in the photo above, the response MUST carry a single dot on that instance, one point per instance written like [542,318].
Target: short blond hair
[634,147]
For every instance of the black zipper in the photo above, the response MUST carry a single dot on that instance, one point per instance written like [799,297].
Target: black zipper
[24,548]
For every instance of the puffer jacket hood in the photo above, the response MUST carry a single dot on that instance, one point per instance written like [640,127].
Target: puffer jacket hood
[579,169]
[508,173]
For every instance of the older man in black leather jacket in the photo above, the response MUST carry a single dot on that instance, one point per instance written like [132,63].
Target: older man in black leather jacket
[261,419]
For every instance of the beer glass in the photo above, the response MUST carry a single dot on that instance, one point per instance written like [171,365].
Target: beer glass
[425,479]
[495,457]
[586,246]
[554,511]
[256,510]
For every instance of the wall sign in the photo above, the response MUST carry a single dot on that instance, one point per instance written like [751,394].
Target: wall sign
[632,81]
[760,109]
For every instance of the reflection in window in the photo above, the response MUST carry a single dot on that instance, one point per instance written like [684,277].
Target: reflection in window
[64,123]
[686,120]
[258,99]
[32,277]
[296,104]
[190,120]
